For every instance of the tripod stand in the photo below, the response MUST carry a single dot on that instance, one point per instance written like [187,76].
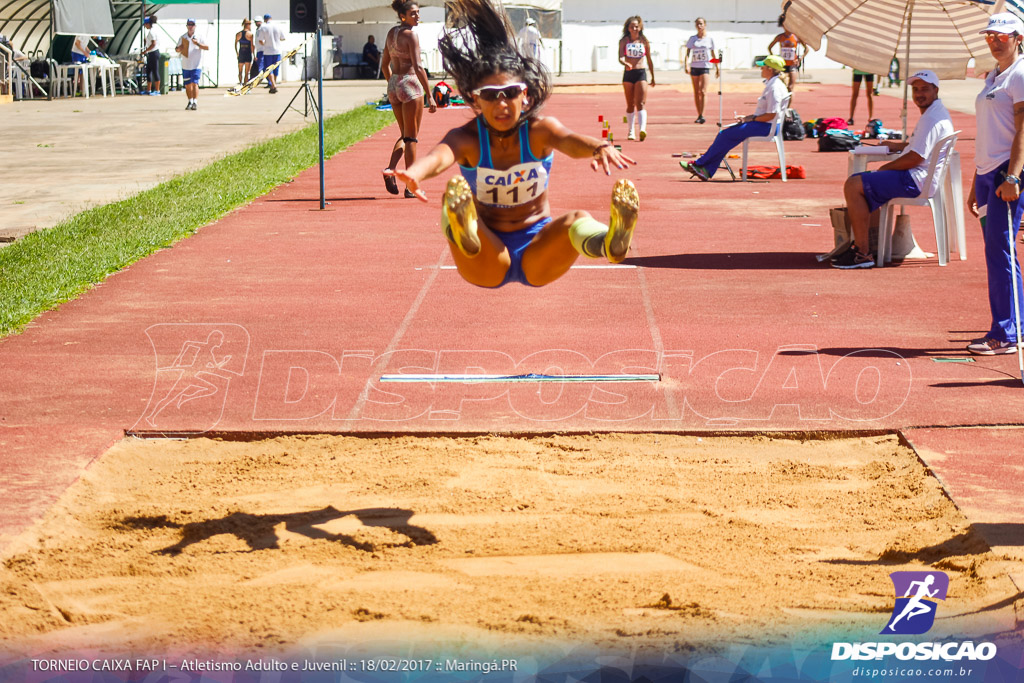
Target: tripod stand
[308,100]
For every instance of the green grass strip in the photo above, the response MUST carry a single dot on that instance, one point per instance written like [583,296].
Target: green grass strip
[49,267]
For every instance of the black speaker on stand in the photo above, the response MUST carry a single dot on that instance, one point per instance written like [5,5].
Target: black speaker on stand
[302,16]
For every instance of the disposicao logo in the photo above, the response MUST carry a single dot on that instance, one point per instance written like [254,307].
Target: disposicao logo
[916,596]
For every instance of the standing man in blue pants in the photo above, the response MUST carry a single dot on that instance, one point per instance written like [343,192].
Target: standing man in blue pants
[753,125]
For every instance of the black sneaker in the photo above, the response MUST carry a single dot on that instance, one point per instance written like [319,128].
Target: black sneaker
[854,259]
[850,247]
[700,119]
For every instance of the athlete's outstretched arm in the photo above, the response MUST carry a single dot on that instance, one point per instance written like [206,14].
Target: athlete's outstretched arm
[601,152]
[435,162]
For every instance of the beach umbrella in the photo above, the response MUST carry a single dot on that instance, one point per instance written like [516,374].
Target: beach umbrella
[940,35]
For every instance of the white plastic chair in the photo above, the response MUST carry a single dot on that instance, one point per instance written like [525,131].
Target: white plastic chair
[774,136]
[943,149]
[61,83]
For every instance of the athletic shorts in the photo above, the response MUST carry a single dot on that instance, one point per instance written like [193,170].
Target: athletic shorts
[153,66]
[405,87]
[191,76]
[699,70]
[881,186]
[857,78]
[516,243]
[77,58]
[269,59]
[634,75]
[244,55]
[792,68]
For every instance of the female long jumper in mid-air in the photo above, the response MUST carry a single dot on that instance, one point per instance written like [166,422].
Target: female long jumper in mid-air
[496,215]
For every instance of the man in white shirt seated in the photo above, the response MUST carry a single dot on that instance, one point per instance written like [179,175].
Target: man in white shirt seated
[901,177]
[753,125]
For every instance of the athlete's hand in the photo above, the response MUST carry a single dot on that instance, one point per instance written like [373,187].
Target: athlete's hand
[607,156]
[433,106]
[410,182]
[972,202]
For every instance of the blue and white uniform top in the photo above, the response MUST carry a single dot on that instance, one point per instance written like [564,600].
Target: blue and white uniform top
[994,109]
[509,187]
[702,50]
[933,125]
[771,97]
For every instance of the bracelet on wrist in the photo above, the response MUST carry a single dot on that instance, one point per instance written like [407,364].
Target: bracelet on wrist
[597,150]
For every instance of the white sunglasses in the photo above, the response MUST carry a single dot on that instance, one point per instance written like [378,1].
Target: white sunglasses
[492,93]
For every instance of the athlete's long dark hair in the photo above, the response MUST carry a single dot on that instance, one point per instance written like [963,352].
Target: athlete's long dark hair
[480,43]
[638,20]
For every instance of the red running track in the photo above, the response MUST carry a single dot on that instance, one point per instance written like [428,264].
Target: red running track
[281,318]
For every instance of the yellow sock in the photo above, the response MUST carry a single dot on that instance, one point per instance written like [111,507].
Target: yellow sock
[587,236]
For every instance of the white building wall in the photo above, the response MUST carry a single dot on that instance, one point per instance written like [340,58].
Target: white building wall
[590,32]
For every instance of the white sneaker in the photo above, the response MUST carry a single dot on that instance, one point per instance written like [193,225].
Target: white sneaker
[631,136]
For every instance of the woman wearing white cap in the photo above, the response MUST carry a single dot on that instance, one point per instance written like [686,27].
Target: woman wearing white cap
[999,158]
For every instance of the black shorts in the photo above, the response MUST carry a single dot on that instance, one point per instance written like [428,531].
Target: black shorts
[244,55]
[634,75]
[870,78]
[792,68]
[153,66]
[699,70]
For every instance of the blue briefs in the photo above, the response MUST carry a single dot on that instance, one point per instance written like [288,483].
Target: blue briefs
[516,243]
[881,186]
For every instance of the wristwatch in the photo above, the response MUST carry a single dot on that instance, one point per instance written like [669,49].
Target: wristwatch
[1012,179]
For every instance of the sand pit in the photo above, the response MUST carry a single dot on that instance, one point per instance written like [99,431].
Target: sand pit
[630,543]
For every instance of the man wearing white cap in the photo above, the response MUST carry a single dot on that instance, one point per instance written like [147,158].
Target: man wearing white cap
[190,47]
[271,40]
[999,159]
[529,39]
[901,177]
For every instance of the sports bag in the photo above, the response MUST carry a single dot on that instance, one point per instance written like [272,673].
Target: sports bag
[829,123]
[774,172]
[792,126]
[835,140]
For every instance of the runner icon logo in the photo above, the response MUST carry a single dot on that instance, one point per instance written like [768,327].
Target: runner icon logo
[916,596]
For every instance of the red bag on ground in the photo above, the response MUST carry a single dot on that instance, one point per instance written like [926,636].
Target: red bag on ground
[774,172]
[831,122]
